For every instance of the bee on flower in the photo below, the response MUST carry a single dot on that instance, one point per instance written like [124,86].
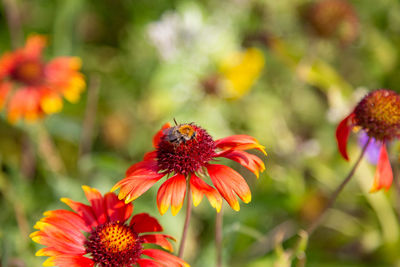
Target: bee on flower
[183,154]
[378,116]
[31,87]
[99,235]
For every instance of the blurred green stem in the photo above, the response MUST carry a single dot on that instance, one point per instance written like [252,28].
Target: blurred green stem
[90,115]
[14,22]
[335,194]
[187,219]
[218,236]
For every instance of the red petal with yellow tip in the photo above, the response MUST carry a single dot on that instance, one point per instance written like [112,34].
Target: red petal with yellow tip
[239,142]
[138,181]
[383,175]
[342,134]
[228,182]
[172,192]
[68,221]
[83,210]
[96,201]
[71,261]
[159,239]
[164,257]
[117,210]
[143,223]
[200,188]
[250,161]
[159,134]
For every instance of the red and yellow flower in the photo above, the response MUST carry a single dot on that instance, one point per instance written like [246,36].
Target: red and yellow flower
[99,235]
[31,88]
[378,115]
[183,154]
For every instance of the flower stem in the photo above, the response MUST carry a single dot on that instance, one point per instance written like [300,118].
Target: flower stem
[218,236]
[14,22]
[335,194]
[187,218]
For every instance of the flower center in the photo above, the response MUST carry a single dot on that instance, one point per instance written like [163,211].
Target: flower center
[114,244]
[184,149]
[378,113]
[28,72]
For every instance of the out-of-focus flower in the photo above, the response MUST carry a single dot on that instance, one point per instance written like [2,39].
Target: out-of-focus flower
[31,88]
[332,18]
[99,235]
[183,153]
[373,149]
[378,115]
[239,71]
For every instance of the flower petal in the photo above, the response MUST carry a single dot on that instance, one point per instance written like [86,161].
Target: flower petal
[250,161]
[383,175]
[159,239]
[138,181]
[342,134]
[117,210]
[239,142]
[69,261]
[85,211]
[172,192]
[97,203]
[200,188]
[24,103]
[5,88]
[373,149]
[164,257]
[227,181]
[143,223]
[160,133]
[34,46]
[149,263]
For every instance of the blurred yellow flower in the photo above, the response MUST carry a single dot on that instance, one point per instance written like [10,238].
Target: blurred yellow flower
[239,71]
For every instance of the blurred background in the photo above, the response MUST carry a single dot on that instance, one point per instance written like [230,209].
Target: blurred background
[285,72]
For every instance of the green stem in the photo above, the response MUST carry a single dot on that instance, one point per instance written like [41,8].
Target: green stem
[335,194]
[187,218]
[218,236]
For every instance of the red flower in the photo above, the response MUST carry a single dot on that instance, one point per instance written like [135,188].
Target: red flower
[99,235]
[378,114]
[183,154]
[30,88]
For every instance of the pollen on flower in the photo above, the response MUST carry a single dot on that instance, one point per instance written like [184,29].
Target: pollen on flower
[114,244]
[378,113]
[178,153]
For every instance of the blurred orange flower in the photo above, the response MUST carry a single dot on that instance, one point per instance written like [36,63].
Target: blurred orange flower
[99,235]
[31,88]
[183,153]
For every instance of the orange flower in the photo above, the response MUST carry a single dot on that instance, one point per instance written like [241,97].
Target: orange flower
[99,235]
[183,154]
[378,115]
[30,87]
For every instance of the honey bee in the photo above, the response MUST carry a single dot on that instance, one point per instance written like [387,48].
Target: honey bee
[180,133]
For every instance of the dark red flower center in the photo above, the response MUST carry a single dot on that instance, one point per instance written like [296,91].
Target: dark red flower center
[378,113]
[184,149]
[114,244]
[29,72]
